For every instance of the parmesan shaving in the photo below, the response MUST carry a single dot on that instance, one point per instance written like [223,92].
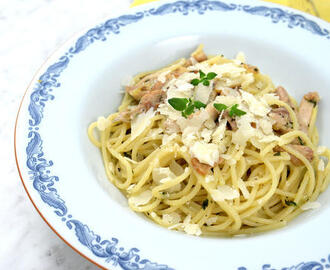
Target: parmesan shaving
[223,193]
[141,199]
[310,206]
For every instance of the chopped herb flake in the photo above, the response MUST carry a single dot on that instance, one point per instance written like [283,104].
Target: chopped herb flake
[300,141]
[290,203]
[277,154]
[205,204]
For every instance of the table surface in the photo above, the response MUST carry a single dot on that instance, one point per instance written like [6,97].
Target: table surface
[30,30]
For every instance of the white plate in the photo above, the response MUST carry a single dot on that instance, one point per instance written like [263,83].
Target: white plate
[63,173]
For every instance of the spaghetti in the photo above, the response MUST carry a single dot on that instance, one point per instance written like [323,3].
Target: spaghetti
[208,145]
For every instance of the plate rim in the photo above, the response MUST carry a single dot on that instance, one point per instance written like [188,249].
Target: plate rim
[133,11]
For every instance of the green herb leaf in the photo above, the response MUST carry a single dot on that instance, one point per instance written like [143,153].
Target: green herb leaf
[201,74]
[211,75]
[195,82]
[189,110]
[220,107]
[205,204]
[277,154]
[300,141]
[184,114]
[290,203]
[235,111]
[199,104]
[178,104]
[206,82]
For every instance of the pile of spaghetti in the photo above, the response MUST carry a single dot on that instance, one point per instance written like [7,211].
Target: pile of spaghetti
[209,145]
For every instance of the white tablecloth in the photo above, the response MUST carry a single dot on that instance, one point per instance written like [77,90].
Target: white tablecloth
[30,30]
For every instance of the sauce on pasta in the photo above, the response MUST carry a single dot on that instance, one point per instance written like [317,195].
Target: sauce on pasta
[208,145]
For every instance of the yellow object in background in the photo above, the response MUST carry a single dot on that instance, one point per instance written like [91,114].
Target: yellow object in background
[319,8]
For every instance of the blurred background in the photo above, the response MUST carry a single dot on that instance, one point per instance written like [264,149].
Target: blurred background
[30,30]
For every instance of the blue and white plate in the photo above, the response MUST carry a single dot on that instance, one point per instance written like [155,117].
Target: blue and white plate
[63,172]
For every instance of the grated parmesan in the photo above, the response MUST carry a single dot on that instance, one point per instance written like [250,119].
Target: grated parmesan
[207,153]
[172,218]
[310,205]
[141,199]
[141,122]
[102,123]
[223,193]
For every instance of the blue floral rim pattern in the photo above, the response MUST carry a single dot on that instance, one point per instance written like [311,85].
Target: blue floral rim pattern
[39,167]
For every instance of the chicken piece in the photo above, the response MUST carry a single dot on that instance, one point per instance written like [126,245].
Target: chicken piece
[171,126]
[123,117]
[199,54]
[281,118]
[152,99]
[179,71]
[144,85]
[306,109]
[306,151]
[157,86]
[284,96]
[203,168]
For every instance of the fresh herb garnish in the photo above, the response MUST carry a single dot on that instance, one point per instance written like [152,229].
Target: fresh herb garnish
[290,203]
[179,104]
[300,141]
[185,106]
[234,111]
[205,204]
[199,104]
[220,107]
[277,154]
[204,78]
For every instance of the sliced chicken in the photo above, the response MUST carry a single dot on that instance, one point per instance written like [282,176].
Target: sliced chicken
[281,118]
[306,151]
[199,54]
[179,71]
[203,168]
[306,109]
[284,96]
[151,99]
[145,85]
